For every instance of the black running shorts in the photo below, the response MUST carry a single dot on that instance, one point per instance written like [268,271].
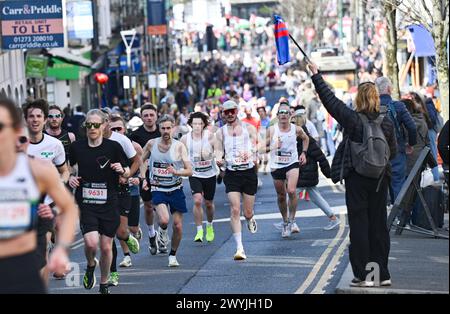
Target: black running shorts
[206,186]
[280,174]
[242,181]
[105,218]
[124,201]
[20,274]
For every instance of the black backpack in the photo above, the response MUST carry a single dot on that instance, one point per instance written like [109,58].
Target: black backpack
[370,157]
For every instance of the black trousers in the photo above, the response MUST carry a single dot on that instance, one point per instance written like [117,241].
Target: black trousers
[367,216]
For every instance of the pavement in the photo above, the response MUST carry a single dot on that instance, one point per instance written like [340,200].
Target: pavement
[418,264]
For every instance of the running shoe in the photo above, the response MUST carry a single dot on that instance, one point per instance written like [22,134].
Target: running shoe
[286,232]
[294,227]
[173,261]
[332,224]
[126,262]
[153,246]
[113,279]
[89,276]
[356,282]
[199,236]
[133,244]
[104,289]
[252,226]
[209,233]
[239,255]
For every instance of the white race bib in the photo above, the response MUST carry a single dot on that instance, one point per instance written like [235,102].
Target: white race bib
[283,157]
[15,214]
[203,165]
[95,193]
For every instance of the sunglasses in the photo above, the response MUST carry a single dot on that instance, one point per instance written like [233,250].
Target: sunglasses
[89,125]
[3,125]
[57,116]
[229,111]
[23,139]
[283,111]
[118,129]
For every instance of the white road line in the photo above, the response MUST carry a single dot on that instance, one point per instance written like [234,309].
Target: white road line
[327,273]
[312,275]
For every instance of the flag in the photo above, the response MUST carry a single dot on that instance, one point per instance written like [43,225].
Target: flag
[281,40]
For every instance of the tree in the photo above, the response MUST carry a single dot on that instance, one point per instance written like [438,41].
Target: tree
[391,46]
[434,16]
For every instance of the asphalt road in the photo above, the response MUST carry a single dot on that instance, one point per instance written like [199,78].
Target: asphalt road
[309,262]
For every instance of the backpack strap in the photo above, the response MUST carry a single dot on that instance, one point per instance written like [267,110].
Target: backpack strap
[393,113]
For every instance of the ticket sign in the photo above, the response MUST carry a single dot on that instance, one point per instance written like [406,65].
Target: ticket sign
[32,24]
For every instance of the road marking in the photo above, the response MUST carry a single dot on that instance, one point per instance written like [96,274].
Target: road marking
[315,212]
[323,281]
[312,275]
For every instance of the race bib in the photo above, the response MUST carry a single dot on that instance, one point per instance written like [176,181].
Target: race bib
[15,215]
[95,193]
[203,165]
[283,157]
[241,161]
[160,172]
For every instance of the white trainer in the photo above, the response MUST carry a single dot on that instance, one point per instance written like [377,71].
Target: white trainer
[252,225]
[126,262]
[239,255]
[332,224]
[173,261]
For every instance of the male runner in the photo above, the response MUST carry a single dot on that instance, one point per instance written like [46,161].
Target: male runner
[97,164]
[200,144]
[124,196]
[168,162]
[237,142]
[43,146]
[54,122]
[142,135]
[281,141]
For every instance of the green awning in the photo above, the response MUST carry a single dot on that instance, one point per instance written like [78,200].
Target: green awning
[65,71]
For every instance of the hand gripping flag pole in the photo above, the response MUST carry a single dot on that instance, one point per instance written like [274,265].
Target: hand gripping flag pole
[282,41]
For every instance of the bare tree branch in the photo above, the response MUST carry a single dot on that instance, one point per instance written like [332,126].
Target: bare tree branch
[424,5]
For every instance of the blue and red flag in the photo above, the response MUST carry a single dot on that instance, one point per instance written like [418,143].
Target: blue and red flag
[281,40]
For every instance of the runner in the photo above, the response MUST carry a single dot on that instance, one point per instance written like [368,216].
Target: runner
[281,141]
[237,142]
[124,195]
[200,143]
[97,165]
[53,128]
[43,146]
[142,135]
[265,123]
[117,124]
[55,119]
[168,162]
[22,181]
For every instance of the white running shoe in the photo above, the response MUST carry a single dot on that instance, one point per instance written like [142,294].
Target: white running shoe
[239,255]
[173,261]
[294,227]
[286,232]
[332,224]
[126,262]
[260,183]
[252,225]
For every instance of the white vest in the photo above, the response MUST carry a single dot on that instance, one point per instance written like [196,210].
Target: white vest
[287,154]
[238,149]
[202,168]
[19,200]
[160,179]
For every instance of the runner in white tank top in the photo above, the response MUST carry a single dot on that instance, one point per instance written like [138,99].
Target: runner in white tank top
[22,181]
[281,141]
[169,162]
[201,144]
[237,142]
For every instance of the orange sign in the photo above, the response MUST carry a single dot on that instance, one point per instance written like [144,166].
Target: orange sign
[157,29]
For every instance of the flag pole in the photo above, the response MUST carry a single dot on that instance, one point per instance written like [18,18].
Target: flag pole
[301,50]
